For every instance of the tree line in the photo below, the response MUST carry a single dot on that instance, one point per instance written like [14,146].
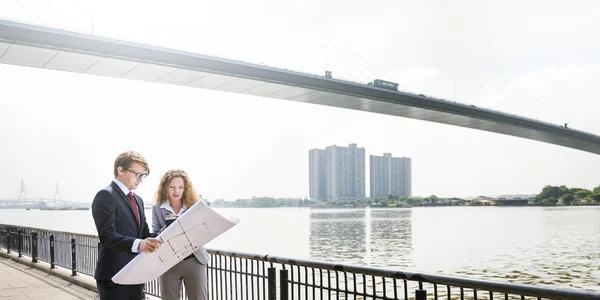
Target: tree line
[562,195]
[549,196]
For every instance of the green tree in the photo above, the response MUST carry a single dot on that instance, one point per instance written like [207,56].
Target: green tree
[549,192]
[581,193]
[433,199]
[568,198]
[414,201]
[549,201]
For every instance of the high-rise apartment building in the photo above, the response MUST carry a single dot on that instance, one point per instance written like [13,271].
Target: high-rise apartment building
[316,166]
[390,176]
[344,173]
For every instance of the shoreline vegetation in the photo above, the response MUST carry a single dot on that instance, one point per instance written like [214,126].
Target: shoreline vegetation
[549,196]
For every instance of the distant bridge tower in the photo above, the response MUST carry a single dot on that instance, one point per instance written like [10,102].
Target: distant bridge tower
[22,192]
[57,194]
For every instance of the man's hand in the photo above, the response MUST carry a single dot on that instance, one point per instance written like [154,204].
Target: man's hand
[149,245]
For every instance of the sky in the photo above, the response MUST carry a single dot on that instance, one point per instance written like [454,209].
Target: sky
[539,59]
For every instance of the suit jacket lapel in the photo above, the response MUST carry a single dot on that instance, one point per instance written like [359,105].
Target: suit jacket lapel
[128,203]
[164,213]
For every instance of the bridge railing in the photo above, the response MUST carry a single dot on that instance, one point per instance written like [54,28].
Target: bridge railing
[235,275]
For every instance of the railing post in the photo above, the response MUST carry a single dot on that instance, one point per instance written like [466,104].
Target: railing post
[8,240]
[420,294]
[52,251]
[272,284]
[283,284]
[73,257]
[19,242]
[34,247]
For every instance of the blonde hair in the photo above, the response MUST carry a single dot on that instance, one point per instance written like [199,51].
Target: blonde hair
[189,196]
[125,159]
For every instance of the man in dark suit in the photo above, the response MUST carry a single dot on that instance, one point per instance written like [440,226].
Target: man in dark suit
[122,228]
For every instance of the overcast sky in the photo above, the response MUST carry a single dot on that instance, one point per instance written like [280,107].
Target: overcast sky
[539,59]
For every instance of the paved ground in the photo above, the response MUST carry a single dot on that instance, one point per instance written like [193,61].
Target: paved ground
[18,281]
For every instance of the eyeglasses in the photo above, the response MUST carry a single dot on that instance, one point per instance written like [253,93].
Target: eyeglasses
[137,175]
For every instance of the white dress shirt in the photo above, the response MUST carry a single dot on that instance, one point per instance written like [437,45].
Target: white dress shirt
[168,207]
[136,243]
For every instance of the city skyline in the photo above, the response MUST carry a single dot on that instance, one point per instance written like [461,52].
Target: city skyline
[68,128]
[338,173]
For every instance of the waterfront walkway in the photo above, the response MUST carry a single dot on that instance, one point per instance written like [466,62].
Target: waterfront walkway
[20,281]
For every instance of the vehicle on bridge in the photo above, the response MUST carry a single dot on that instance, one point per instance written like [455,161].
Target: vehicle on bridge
[384,84]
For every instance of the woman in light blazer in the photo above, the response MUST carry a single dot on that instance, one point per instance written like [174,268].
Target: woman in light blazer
[174,196]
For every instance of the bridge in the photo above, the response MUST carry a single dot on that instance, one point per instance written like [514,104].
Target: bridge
[43,47]
[41,203]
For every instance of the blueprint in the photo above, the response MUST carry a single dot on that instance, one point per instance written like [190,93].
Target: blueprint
[196,227]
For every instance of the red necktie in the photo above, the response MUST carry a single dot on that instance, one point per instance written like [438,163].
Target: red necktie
[135,207]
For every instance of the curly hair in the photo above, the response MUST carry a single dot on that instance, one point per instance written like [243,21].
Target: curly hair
[189,196]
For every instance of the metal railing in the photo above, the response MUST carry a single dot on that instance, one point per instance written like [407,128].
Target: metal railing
[239,276]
